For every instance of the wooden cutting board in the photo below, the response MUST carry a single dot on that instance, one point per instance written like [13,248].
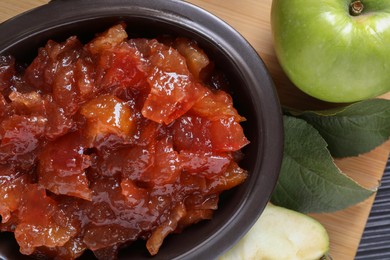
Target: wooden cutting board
[252,19]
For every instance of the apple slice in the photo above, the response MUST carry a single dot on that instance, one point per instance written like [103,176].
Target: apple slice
[281,233]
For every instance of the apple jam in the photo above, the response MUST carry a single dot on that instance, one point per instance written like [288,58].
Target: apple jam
[111,142]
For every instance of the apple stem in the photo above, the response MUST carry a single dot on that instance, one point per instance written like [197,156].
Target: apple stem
[356,8]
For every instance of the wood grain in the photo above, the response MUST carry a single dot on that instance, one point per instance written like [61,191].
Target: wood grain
[252,19]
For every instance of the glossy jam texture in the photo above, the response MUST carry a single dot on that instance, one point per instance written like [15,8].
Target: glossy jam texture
[113,141]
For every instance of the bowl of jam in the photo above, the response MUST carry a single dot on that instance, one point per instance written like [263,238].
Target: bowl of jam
[132,129]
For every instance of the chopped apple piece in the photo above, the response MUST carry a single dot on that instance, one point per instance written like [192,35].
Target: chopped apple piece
[282,234]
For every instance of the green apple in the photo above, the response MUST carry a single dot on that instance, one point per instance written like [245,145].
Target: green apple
[281,233]
[334,50]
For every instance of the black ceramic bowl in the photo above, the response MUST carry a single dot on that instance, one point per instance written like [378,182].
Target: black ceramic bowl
[251,88]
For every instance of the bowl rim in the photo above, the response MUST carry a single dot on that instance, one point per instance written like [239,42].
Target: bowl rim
[58,13]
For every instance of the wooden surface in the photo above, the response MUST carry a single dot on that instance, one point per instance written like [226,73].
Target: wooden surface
[252,19]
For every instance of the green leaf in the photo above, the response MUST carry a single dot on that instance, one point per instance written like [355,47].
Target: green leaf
[309,180]
[352,130]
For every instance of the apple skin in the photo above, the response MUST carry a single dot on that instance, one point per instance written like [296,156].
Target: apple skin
[330,54]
